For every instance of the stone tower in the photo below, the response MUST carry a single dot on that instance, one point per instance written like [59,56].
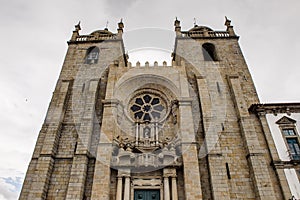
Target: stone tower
[180,131]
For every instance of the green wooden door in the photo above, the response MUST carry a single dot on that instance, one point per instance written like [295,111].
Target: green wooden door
[146,195]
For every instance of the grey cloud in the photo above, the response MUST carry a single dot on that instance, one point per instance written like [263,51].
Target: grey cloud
[10,187]
[117,7]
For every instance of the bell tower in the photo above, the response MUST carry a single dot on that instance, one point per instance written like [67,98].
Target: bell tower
[62,165]
[121,131]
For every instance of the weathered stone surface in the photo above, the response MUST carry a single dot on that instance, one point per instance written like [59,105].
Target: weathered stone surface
[216,148]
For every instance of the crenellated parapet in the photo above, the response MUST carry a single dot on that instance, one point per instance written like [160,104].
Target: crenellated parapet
[147,64]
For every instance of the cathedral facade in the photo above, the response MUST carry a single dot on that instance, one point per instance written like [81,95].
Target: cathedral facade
[190,130]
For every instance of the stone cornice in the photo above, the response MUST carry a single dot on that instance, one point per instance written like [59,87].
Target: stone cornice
[275,108]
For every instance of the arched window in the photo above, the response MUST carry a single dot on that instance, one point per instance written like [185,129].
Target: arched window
[92,55]
[209,52]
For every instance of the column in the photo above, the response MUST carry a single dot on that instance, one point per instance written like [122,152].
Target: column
[166,188]
[127,188]
[174,188]
[137,127]
[170,172]
[156,131]
[119,189]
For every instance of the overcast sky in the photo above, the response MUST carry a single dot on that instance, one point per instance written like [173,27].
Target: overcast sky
[33,45]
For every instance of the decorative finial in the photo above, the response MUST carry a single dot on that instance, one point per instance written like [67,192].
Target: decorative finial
[195,22]
[177,26]
[120,26]
[229,27]
[75,33]
[106,24]
[177,22]
[227,21]
[77,27]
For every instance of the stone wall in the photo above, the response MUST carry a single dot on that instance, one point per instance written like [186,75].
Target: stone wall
[223,149]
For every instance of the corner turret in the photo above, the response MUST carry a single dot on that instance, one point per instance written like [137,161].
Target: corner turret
[120,28]
[76,31]
[229,27]
[177,27]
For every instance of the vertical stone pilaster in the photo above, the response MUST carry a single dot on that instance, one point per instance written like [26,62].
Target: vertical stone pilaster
[268,136]
[102,174]
[41,180]
[255,155]
[192,182]
[28,180]
[101,183]
[86,122]
[274,155]
[54,118]
[101,179]
[283,183]
[216,163]
[218,178]
[80,161]
[40,176]
[192,185]
[77,178]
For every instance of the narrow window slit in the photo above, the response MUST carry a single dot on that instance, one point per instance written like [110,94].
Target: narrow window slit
[228,171]
[83,87]
[218,87]
[75,148]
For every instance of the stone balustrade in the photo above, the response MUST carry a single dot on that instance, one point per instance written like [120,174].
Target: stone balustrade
[86,38]
[201,34]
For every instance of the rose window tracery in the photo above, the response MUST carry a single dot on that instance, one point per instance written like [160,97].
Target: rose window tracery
[148,107]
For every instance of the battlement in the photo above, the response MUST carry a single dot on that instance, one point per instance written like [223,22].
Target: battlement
[138,65]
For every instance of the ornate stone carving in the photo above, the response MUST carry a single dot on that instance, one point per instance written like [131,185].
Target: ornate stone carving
[146,153]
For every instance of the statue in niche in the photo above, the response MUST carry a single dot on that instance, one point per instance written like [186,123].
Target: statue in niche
[147,133]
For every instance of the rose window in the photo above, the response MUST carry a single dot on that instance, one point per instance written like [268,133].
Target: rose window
[147,107]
